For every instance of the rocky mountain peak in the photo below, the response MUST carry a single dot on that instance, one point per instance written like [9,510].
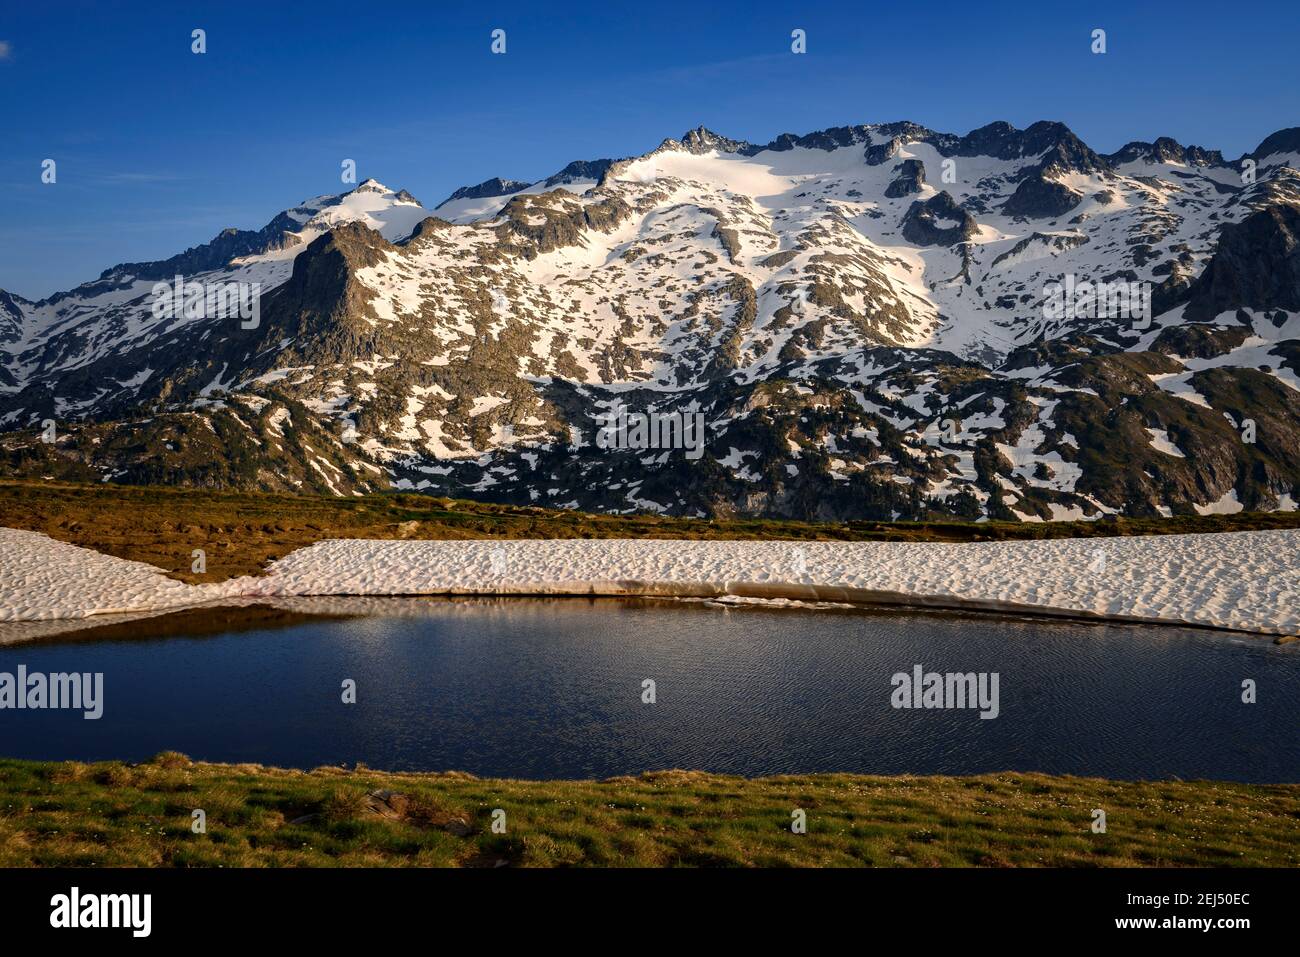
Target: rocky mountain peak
[496,186]
[580,171]
[1283,141]
[1165,149]
[702,140]
[833,138]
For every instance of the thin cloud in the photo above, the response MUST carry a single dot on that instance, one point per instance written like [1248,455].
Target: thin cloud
[5,49]
[142,178]
[717,69]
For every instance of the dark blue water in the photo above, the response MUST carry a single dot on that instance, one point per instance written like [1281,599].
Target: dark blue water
[554,689]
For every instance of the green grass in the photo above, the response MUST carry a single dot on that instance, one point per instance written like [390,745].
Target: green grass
[243,531]
[112,814]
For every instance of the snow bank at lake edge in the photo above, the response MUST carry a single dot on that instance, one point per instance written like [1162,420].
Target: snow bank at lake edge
[1247,581]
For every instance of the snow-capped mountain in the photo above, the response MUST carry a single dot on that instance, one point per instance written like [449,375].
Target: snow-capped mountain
[871,321]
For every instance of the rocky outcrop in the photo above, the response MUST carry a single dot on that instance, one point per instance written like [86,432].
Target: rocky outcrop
[910,179]
[939,221]
[1038,197]
[1256,266]
[11,316]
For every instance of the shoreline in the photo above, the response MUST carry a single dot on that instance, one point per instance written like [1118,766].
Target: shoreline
[1243,582]
[221,616]
[179,759]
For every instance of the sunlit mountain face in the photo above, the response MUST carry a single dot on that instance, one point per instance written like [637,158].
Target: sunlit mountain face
[875,321]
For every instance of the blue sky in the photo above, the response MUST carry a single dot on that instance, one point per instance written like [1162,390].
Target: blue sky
[158,149]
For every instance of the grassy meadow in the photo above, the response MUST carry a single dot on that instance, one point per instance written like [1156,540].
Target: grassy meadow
[113,814]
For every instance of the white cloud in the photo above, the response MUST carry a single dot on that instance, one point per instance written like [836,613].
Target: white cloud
[5,49]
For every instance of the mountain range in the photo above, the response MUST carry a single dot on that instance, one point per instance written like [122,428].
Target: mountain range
[867,319]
